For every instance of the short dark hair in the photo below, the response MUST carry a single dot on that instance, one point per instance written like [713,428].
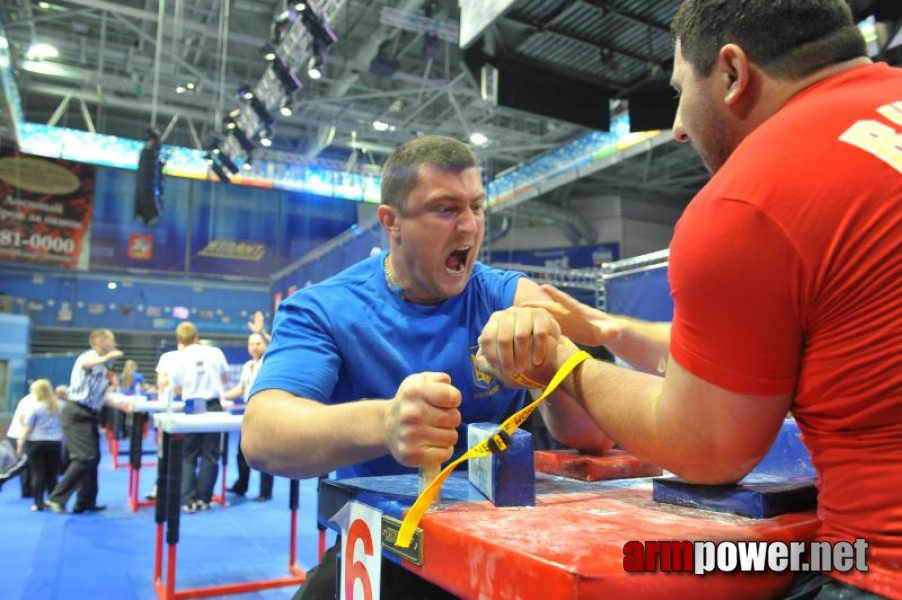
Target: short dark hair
[788,39]
[400,173]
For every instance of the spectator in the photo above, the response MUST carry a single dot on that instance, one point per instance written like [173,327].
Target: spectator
[256,347]
[131,381]
[200,375]
[21,468]
[42,436]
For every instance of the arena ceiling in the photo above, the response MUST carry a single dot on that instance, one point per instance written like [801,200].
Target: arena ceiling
[126,65]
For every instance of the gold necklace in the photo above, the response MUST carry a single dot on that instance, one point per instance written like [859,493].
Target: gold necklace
[396,288]
[392,284]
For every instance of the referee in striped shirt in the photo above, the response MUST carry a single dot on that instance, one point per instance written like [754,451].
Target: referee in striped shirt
[89,389]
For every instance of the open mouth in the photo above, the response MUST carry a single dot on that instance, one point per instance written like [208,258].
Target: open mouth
[457,261]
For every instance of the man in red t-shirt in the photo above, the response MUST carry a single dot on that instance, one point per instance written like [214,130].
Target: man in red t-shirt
[786,276]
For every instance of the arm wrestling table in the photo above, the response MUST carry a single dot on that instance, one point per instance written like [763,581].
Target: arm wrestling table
[570,545]
[141,408]
[168,506]
[120,402]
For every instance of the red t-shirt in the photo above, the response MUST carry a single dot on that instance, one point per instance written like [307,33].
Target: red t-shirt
[786,274]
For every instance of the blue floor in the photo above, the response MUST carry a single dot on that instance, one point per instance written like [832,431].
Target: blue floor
[110,555]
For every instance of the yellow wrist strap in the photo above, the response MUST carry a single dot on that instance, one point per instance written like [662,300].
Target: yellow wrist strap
[498,442]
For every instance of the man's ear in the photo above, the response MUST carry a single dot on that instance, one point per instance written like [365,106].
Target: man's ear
[388,217]
[733,63]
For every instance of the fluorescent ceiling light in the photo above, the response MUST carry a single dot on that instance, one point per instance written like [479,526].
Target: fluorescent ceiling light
[478,139]
[45,68]
[42,52]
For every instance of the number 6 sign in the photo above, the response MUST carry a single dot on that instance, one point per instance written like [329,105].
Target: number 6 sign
[361,551]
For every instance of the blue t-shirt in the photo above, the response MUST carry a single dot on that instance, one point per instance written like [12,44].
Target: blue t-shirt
[350,337]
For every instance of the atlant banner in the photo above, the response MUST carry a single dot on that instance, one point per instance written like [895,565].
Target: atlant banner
[45,210]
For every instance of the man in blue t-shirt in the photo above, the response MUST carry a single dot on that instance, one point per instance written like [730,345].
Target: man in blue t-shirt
[372,372]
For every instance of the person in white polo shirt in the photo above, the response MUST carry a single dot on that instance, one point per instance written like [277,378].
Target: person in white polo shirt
[201,375]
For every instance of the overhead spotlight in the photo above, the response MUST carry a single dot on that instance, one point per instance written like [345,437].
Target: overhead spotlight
[42,52]
[231,121]
[262,112]
[380,125]
[245,92]
[247,166]
[285,109]
[217,168]
[246,144]
[478,139]
[316,25]
[314,67]
[265,137]
[290,81]
[281,24]
[269,52]
[226,161]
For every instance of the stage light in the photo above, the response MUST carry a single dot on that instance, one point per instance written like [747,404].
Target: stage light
[245,92]
[262,112]
[265,137]
[316,25]
[226,161]
[285,109]
[478,139]
[223,176]
[246,144]
[281,24]
[290,81]
[269,52]
[314,67]
[42,52]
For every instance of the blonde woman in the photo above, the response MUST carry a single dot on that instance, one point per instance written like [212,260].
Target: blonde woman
[132,381]
[42,435]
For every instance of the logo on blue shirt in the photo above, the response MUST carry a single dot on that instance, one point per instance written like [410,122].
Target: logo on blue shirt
[480,378]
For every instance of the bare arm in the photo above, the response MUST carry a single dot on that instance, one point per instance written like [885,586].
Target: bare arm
[297,437]
[697,430]
[90,363]
[644,345]
[258,325]
[235,392]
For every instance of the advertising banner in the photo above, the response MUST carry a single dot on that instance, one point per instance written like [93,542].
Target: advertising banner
[45,210]
[571,257]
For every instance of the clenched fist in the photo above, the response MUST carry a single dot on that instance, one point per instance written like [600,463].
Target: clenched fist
[421,423]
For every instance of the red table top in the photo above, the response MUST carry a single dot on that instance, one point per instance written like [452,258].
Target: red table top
[571,545]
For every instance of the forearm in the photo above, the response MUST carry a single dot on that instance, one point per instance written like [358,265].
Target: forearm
[235,392]
[90,363]
[643,344]
[298,438]
[684,437]
[570,424]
